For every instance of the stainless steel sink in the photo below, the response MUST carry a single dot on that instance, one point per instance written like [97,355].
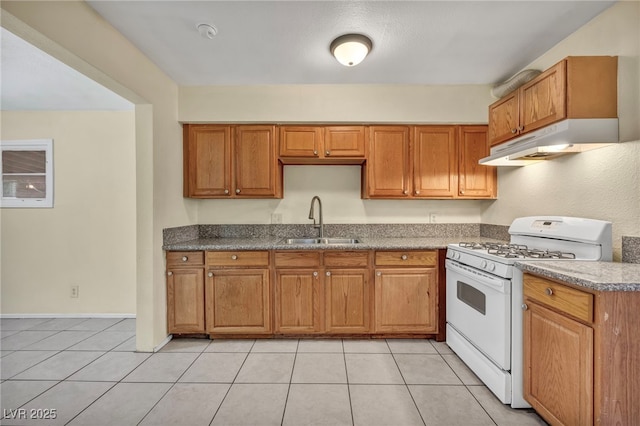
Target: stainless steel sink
[321,241]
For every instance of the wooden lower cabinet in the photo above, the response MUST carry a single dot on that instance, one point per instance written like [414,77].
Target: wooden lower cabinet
[185,300]
[237,301]
[559,360]
[581,353]
[347,301]
[406,300]
[299,301]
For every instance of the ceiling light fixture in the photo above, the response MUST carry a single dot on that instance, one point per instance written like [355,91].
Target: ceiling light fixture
[351,49]
[207,31]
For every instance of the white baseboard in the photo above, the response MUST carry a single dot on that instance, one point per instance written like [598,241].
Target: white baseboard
[164,342]
[8,316]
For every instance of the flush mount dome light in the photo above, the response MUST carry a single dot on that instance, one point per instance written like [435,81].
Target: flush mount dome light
[351,49]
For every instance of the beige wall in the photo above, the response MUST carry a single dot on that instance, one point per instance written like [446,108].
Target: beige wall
[338,186]
[88,238]
[601,184]
[72,32]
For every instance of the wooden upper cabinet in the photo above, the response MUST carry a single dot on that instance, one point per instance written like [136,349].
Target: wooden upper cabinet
[207,160]
[435,165]
[503,119]
[231,162]
[388,168]
[300,141]
[344,141]
[576,87]
[326,143]
[256,167]
[474,179]
[542,100]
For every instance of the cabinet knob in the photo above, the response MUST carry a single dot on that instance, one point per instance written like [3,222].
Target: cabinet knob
[315,152]
[405,192]
[185,258]
[378,274]
[315,273]
[549,291]
[524,307]
[327,152]
[404,257]
[417,192]
[462,192]
[234,257]
[514,130]
[328,273]
[226,191]
[237,191]
[210,274]
[169,273]
[521,128]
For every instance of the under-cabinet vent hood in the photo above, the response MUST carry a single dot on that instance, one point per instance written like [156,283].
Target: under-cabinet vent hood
[564,137]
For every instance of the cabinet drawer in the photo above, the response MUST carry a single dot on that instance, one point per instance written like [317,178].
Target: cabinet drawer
[346,258]
[298,259]
[566,299]
[238,258]
[184,258]
[406,258]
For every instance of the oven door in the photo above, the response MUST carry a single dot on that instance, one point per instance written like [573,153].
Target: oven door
[479,308]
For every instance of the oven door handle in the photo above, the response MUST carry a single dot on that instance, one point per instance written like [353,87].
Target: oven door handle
[496,283]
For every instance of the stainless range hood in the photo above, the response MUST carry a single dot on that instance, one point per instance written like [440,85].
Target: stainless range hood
[564,137]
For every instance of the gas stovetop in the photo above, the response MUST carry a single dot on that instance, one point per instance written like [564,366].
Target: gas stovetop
[517,251]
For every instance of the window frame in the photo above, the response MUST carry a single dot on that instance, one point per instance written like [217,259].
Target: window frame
[45,145]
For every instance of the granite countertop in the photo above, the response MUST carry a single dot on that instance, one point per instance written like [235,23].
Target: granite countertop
[601,276]
[277,243]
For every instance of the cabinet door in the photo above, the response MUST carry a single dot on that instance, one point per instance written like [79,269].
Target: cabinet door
[299,301]
[435,162]
[256,167]
[185,300]
[558,366]
[503,119]
[299,141]
[406,300]
[207,160]
[347,299]
[543,99]
[344,141]
[237,301]
[475,180]
[388,166]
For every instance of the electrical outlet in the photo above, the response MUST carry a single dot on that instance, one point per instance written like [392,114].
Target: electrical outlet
[432,218]
[75,291]
[276,218]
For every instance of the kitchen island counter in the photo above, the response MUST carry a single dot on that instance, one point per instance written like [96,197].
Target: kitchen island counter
[600,276]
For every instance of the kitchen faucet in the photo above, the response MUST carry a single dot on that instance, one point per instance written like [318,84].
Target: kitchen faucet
[311,215]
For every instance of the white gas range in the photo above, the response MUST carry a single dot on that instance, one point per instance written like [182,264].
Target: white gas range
[484,293]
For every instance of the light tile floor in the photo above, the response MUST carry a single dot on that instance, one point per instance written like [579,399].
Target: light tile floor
[87,370]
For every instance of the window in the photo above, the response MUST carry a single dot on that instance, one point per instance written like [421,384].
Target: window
[27,173]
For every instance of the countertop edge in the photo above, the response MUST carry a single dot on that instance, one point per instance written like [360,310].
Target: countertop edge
[599,276]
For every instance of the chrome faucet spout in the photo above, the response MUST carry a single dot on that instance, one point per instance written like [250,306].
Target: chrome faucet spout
[312,215]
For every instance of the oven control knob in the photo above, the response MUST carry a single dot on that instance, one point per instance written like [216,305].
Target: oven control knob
[492,267]
[483,264]
[456,255]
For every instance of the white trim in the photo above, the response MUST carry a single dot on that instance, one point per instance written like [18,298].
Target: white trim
[164,342]
[8,316]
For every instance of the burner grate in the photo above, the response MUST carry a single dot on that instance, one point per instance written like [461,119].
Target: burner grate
[520,251]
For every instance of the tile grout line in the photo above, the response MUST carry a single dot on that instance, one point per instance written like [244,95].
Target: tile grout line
[286,401]
[346,372]
[232,382]
[393,356]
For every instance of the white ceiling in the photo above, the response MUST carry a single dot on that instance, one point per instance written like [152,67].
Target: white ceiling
[32,80]
[287,42]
